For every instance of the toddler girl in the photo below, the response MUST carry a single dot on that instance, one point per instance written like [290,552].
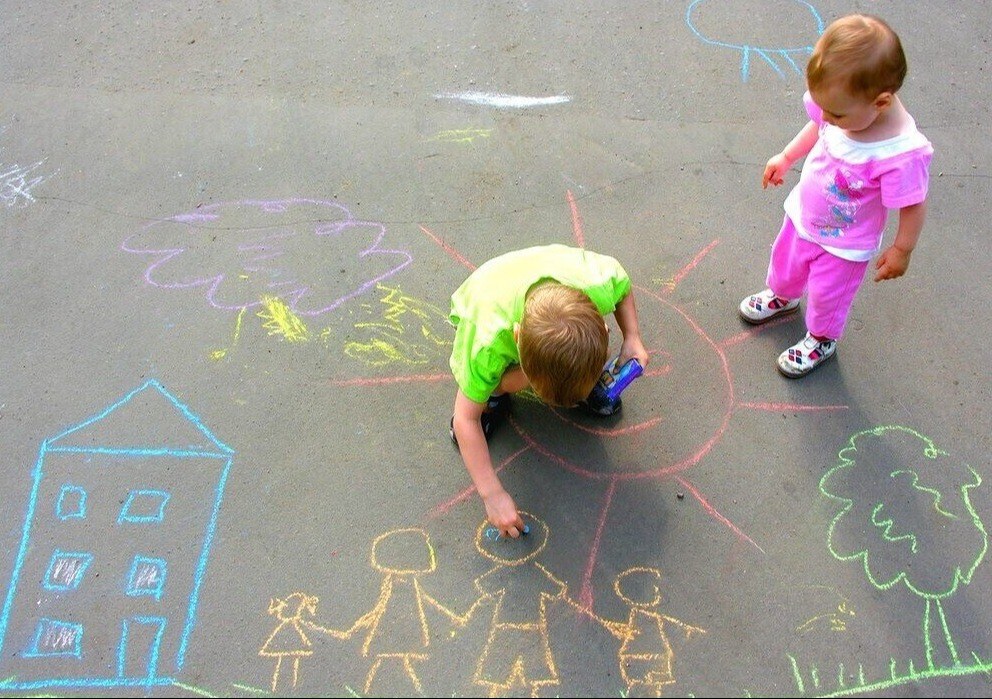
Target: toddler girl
[864,156]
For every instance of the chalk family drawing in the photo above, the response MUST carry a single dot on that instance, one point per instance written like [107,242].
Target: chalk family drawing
[98,573]
[514,599]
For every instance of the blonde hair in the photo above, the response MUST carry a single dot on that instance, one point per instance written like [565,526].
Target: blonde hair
[861,53]
[563,343]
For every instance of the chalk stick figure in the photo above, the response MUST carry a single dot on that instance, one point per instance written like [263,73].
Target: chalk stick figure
[402,556]
[289,639]
[646,656]
[522,588]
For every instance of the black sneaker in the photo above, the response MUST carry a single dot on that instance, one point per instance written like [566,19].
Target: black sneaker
[601,406]
[497,408]
[598,402]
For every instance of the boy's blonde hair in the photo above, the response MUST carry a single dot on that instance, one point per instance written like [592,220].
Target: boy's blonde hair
[563,343]
[861,53]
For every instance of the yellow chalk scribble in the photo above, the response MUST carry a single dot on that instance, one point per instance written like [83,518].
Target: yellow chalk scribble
[670,283]
[406,333]
[461,135]
[834,621]
[221,353]
[280,320]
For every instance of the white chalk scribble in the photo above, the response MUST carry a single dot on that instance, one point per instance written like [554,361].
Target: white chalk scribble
[16,183]
[501,101]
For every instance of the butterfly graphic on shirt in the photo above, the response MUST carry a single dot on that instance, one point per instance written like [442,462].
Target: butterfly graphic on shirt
[842,196]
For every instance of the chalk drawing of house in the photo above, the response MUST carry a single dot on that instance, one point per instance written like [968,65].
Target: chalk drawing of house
[117,533]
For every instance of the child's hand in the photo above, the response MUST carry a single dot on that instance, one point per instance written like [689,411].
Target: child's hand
[775,170]
[633,348]
[502,513]
[892,263]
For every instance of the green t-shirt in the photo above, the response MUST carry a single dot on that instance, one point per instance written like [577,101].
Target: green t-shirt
[490,302]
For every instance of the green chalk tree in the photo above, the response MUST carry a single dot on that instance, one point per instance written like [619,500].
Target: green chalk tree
[906,515]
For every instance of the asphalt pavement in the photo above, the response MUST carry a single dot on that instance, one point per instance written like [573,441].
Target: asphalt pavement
[229,233]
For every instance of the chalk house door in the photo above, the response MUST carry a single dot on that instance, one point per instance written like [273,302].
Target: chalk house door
[141,637]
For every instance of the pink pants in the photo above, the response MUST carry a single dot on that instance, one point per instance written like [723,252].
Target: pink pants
[830,282]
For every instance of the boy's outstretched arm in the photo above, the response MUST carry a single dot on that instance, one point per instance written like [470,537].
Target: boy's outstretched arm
[500,508]
[633,345]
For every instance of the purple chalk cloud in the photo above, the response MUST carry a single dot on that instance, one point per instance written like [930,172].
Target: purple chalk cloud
[312,254]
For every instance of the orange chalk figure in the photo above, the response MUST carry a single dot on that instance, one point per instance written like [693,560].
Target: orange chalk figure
[289,639]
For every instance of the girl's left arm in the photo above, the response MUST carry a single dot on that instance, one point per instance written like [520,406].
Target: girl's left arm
[894,261]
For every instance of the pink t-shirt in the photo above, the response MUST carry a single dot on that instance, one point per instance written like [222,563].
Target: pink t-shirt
[847,187]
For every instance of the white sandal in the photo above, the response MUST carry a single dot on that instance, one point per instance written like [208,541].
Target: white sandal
[805,355]
[762,307]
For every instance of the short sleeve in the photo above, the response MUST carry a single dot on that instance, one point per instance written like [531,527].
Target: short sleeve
[906,178]
[813,109]
[477,370]
[609,283]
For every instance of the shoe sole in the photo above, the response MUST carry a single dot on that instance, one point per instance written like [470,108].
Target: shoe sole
[589,410]
[801,374]
[759,321]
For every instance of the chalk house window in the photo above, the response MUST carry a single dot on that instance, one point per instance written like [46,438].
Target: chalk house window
[56,638]
[71,503]
[144,506]
[65,570]
[147,577]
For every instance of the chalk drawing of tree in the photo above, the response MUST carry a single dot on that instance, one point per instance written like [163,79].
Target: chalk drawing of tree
[907,516]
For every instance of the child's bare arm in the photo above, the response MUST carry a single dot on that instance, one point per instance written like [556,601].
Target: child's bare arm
[799,147]
[500,508]
[633,345]
[894,260]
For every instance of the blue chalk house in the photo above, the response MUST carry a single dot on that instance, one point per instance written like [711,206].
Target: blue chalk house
[115,545]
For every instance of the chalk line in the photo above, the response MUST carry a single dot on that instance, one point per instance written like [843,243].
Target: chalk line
[501,101]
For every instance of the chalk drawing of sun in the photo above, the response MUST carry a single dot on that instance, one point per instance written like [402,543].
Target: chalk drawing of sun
[681,407]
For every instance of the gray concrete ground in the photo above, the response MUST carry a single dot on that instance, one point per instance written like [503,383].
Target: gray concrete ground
[229,233]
